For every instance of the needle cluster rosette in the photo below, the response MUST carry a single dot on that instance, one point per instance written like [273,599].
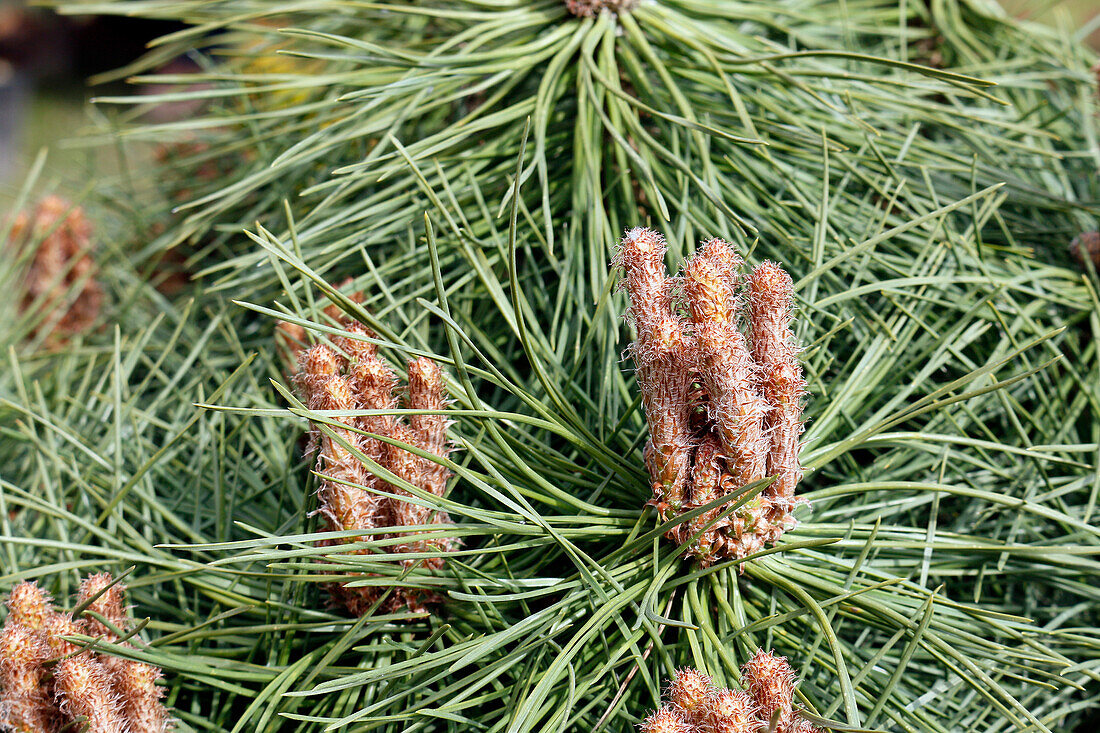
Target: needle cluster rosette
[592,8]
[60,275]
[695,704]
[722,390]
[352,376]
[48,683]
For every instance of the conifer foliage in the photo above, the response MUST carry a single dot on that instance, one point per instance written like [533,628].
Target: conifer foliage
[880,455]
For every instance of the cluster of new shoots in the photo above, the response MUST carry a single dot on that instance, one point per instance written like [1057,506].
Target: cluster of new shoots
[352,495]
[49,682]
[60,274]
[696,705]
[724,408]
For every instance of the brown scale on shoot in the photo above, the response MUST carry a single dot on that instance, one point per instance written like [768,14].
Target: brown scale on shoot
[358,379]
[723,406]
[59,278]
[695,704]
[48,682]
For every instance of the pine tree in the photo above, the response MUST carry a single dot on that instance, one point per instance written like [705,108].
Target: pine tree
[918,169]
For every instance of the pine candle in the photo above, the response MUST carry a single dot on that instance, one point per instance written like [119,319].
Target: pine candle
[696,705]
[723,407]
[112,694]
[351,496]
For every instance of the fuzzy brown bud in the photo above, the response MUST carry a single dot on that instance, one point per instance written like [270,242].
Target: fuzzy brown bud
[375,387]
[363,381]
[690,693]
[61,262]
[661,354]
[316,365]
[139,696]
[665,720]
[58,626]
[354,344]
[346,507]
[695,705]
[707,473]
[723,361]
[771,298]
[110,603]
[85,689]
[732,711]
[769,680]
[710,282]
[427,392]
[113,694]
[25,702]
[429,432]
[641,255]
[29,605]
